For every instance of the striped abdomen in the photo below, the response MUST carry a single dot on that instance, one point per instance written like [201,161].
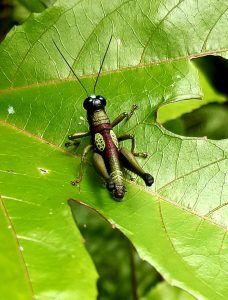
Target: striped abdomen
[107,145]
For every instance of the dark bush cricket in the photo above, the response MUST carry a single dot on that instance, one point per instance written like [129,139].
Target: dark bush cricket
[108,156]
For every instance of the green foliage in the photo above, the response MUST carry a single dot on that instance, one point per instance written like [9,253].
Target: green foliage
[178,225]
[210,121]
[48,252]
[114,257]
[172,111]
[163,291]
[35,5]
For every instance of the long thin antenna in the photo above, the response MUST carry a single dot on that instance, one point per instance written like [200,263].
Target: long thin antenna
[71,68]
[94,88]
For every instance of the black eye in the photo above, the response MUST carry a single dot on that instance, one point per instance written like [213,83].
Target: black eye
[94,102]
[102,100]
[88,103]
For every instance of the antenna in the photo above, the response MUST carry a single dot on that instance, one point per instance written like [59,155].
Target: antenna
[94,88]
[70,68]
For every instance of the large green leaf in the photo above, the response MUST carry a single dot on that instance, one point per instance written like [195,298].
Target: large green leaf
[179,225]
[119,278]
[49,258]
[172,111]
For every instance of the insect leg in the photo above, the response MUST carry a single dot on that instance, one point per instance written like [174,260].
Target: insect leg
[78,135]
[124,115]
[83,157]
[130,163]
[74,143]
[76,138]
[101,168]
[130,136]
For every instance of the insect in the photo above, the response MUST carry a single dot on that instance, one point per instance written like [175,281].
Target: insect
[108,156]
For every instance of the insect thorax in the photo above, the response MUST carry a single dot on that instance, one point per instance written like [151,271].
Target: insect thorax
[109,138]
[99,117]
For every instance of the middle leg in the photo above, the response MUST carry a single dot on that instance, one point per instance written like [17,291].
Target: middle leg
[130,136]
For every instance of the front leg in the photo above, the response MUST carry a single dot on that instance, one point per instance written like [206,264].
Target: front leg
[124,115]
[78,135]
[76,138]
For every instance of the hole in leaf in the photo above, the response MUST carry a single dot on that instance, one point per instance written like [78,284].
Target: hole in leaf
[202,118]
[209,121]
[121,271]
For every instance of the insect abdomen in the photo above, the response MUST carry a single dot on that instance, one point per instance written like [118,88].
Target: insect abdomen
[106,143]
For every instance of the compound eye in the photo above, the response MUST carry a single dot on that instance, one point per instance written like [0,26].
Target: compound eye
[102,99]
[88,103]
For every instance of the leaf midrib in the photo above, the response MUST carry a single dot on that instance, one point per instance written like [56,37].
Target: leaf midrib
[12,89]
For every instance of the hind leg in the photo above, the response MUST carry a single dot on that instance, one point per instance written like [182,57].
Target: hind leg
[100,166]
[130,163]
[83,157]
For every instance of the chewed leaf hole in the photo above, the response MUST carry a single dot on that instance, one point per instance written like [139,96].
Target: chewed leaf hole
[43,171]
[206,117]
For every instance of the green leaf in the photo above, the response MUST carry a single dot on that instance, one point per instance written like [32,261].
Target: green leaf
[35,5]
[11,261]
[174,110]
[49,258]
[22,9]
[209,120]
[179,225]
[164,291]
[115,275]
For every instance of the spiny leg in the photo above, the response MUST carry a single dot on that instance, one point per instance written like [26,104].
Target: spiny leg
[124,115]
[101,168]
[83,157]
[130,136]
[129,162]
